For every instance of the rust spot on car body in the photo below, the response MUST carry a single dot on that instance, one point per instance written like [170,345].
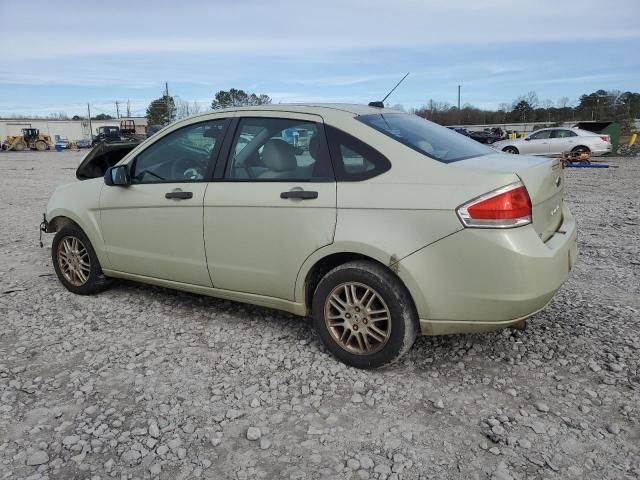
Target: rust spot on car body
[394,263]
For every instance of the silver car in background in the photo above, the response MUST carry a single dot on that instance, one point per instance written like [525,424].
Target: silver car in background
[554,141]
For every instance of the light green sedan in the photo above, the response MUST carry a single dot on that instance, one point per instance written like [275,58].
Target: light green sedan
[377,223]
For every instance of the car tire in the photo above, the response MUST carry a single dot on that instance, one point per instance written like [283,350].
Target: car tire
[349,308]
[581,149]
[76,263]
[512,150]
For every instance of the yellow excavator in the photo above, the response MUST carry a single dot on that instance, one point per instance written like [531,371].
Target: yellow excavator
[31,138]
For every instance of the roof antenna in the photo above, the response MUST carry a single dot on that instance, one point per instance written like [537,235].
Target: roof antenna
[380,104]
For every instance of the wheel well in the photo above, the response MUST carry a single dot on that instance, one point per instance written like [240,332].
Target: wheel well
[330,262]
[55,224]
[510,147]
[581,146]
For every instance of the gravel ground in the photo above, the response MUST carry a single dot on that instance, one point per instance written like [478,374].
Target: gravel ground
[143,382]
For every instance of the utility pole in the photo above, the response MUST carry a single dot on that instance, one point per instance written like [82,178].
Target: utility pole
[459,113]
[166,99]
[90,127]
[128,108]
[117,110]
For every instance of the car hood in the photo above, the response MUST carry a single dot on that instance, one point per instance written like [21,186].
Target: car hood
[504,143]
[102,156]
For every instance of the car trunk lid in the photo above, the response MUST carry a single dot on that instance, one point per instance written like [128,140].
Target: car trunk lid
[543,178]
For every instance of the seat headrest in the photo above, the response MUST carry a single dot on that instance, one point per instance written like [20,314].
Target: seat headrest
[279,156]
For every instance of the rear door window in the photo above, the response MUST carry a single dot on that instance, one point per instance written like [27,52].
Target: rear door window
[563,134]
[542,134]
[278,149]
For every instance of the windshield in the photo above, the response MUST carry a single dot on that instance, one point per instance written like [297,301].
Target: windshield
[426,137]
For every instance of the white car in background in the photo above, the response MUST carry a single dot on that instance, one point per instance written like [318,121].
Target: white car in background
[554,141]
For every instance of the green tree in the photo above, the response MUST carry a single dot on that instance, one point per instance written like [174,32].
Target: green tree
[103,116]
[238,98]
[161,111]
[522,111]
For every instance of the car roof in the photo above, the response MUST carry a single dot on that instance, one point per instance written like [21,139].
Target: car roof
[579,131]
[351,109]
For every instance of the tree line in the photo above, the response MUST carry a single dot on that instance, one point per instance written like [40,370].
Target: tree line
[599,105]
[166,109]
[615,105]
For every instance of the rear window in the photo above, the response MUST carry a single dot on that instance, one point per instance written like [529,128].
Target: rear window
[426,137]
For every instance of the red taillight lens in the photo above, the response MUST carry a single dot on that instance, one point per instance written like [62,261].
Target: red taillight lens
[604,138]
[506,207]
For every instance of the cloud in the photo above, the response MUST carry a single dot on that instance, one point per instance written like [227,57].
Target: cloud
[293,28]
[348,50]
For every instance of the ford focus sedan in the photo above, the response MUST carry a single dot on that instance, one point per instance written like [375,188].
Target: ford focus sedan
[555,141]
[378,224]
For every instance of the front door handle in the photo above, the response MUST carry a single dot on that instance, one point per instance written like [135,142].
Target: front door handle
[301,194]
[179,195]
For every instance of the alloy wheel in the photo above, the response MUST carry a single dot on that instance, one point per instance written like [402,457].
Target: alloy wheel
[74,261]
[357,318]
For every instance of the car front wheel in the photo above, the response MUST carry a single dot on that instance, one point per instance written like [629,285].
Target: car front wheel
[76,263]
[364,315]
[512,150]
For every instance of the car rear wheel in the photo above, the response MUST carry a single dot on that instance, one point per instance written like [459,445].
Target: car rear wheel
[364,315]
[512,150]
[581,149]
[76,263]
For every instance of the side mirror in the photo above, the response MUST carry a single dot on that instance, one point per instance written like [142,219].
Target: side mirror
[526,139]
[117,176]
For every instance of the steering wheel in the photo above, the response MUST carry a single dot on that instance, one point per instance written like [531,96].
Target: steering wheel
[184,169]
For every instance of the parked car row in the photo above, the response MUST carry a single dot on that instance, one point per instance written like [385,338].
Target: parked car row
[488,135]
[555,141]
[547,141]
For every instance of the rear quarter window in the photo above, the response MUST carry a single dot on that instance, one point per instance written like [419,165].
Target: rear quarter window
[354,160]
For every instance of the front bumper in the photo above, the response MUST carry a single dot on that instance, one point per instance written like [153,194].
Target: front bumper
[478,279]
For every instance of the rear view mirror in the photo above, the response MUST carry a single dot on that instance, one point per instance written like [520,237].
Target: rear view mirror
[527,139]
[117,176]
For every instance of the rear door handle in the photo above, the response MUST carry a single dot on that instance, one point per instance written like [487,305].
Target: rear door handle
[179,195]
[301,194]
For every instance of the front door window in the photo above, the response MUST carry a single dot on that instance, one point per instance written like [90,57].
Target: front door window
[182,156]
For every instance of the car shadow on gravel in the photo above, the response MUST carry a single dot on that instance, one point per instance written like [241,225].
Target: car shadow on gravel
[432,353]
[192,303]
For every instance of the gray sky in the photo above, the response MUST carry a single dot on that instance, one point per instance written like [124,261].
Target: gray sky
[74,52]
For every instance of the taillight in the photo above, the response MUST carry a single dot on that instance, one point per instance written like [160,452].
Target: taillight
[505,207]
[604,138]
